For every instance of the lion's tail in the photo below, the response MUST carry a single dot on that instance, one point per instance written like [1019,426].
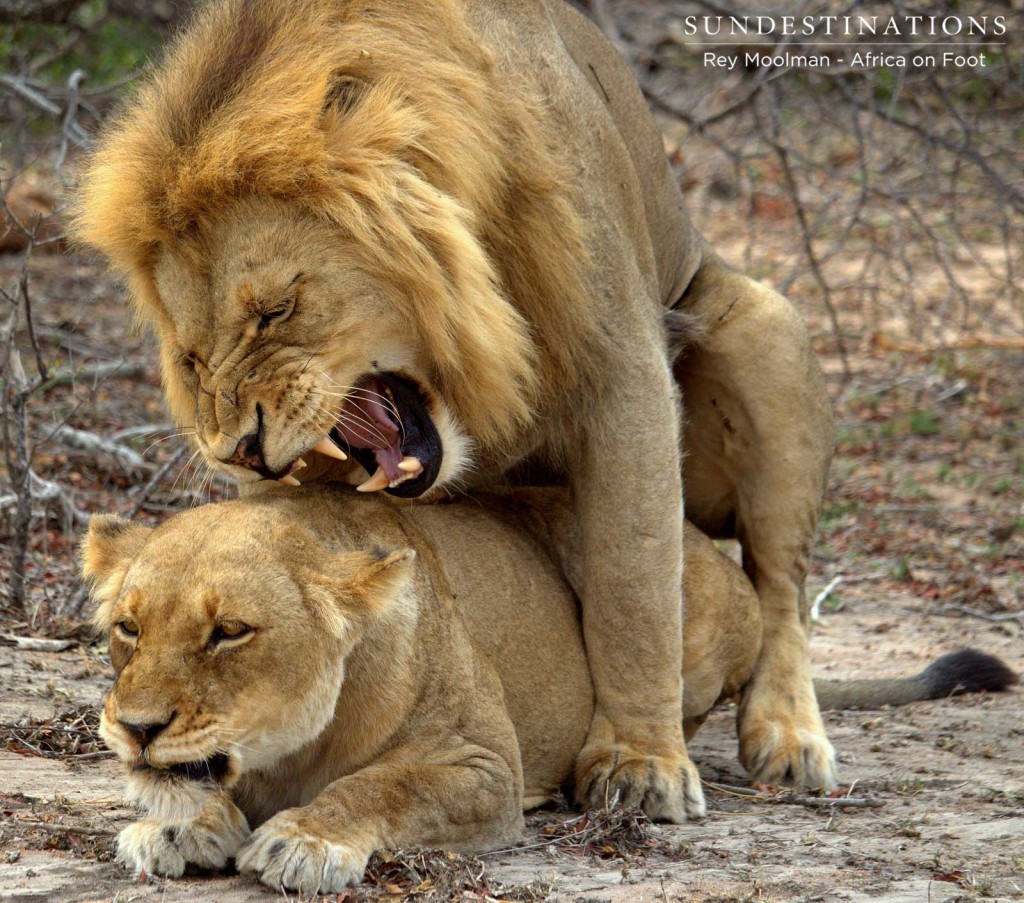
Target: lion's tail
[964,671]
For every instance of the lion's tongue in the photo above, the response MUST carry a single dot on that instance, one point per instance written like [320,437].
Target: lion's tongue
[365,423]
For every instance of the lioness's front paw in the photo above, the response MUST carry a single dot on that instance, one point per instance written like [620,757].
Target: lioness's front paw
[282,855]
[158,848]
[667,788]
[161,848]
[786,749]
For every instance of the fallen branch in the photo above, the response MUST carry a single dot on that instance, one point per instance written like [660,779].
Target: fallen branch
[35,643]
[1014,343]
[94,444]
[93,373]
[994,617]
[48,494]
[60,829]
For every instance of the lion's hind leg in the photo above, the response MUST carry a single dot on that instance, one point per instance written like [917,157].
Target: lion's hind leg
[758,442]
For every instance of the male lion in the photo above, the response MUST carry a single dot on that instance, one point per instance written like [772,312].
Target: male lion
[441,237]
[339,698]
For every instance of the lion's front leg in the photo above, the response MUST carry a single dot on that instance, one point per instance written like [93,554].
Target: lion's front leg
[158,846]
[456,798]
[628,506]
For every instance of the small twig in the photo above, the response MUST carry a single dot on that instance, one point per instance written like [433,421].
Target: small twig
[733,789]
[19,87]
[799,799]
[90,442]
[823,595]
[996,618]
[69,124]
[60,829]
[147,490]
[827,802]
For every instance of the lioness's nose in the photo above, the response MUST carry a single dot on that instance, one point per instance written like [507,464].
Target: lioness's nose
[145,733]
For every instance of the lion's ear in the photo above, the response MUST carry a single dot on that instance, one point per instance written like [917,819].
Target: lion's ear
[109,547]
[344,93]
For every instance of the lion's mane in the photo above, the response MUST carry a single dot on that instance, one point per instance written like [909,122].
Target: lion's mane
[389,120]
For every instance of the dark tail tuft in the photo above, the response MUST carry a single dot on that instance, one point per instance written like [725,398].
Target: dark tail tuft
[967,671]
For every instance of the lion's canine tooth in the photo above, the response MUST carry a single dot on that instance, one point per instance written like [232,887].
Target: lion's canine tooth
[378,481]
[289,480]
[326,447]
[410,464]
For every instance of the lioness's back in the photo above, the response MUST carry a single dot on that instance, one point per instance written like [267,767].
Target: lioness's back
[523,618]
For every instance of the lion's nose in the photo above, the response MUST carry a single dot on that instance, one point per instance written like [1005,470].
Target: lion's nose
[249,453]
[145,733]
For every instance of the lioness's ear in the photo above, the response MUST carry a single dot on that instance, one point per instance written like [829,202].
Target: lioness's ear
[109,547]
[378,580]
[356,588]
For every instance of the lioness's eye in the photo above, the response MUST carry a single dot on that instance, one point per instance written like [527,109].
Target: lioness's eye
[229,630]
[128,628]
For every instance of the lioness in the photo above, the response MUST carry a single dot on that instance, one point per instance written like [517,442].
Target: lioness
[288,663]
[440,237]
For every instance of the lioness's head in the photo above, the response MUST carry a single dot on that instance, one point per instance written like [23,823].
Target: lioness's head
[228,640]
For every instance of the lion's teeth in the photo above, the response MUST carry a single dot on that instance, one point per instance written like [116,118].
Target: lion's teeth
[410,464]
[298,465]
[378,481]
[289,480]
[326,447]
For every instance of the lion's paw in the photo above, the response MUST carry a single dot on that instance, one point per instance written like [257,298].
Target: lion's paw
[667,788]
[208,842]
[782,751]
[282,855]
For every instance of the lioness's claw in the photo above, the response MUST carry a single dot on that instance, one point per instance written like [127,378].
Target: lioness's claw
[289,480]
[410,464]
[378,481]
[326,447]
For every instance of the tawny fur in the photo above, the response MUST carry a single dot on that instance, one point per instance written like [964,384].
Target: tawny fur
[473,193]
[363,711]
[396,697]
[445,179]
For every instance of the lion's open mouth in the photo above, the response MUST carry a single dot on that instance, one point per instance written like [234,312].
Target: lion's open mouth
[214,768]
[385,425]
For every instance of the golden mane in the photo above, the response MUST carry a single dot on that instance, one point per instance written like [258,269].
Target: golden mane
[388,120]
